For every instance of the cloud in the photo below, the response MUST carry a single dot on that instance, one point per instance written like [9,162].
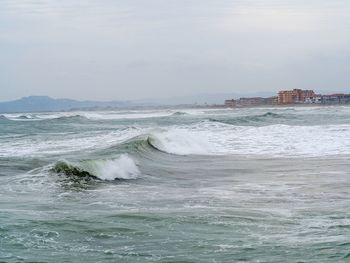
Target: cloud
[102,49]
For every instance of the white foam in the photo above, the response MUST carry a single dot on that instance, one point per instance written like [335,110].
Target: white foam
[274,140]
[42,145]
[109,115]
[105,115]
[204,137]
[21,117]
[121,168]
[181,142]
[269,141]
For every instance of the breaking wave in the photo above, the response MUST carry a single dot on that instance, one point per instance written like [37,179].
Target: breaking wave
[19,118]
[70,118]
[179,113]
[200,138]
[271,140]
[31,117]
[26,117]
[175,141]
[121,168]
[4,118]
[179,142]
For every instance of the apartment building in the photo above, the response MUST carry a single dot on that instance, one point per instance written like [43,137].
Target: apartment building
[294,96]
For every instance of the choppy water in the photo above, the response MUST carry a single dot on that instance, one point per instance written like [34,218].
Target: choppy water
[188,185]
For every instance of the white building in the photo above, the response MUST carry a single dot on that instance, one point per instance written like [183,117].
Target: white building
[313,100]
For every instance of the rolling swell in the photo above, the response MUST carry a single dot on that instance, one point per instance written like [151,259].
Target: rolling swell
[70,118]
[137,146]
[173,141]
[261,119]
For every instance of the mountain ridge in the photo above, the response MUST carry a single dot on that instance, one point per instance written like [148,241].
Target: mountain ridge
[46,103]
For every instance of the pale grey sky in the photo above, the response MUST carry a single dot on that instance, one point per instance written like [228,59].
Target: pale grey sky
[133,49]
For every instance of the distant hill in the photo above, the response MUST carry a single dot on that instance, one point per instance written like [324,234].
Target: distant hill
[45,103]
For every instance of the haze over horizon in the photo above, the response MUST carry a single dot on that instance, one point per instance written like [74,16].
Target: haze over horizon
[129,50]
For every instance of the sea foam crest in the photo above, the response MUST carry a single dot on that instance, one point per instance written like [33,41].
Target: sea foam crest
[3,117]
[180,142]
[274,140]
[123,167]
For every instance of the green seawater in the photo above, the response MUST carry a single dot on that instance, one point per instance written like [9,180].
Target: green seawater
[185,185]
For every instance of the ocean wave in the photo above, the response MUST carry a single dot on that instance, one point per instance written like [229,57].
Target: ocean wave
[200,138]
[179,113]
[26,117]
[3,118]
[121,168]
[179,142]
[266,118]
[170,141]
[32,117]
[19,118]
[277,140]
[70,118]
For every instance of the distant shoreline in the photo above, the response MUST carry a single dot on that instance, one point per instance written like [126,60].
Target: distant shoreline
[174,107]
[272,106]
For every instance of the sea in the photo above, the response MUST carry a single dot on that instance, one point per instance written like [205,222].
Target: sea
[176,185]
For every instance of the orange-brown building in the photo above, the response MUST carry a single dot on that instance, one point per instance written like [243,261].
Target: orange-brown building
[294,96]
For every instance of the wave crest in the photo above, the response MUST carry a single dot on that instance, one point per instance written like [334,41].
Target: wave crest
[179,113]
[4,118]
[266,118]
[115,169]
[26,117]
[179,142]
[70,118]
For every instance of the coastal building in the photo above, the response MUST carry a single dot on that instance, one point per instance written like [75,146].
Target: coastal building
[251,102]
[230,103]
[286,97]
[271,100]
[339,98]
[294,96]
[248,102]
[257,101]
[317,99]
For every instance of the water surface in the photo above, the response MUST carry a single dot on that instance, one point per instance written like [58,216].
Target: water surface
[186,185]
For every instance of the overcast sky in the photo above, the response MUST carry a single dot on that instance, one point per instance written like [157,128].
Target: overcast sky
[133,49]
